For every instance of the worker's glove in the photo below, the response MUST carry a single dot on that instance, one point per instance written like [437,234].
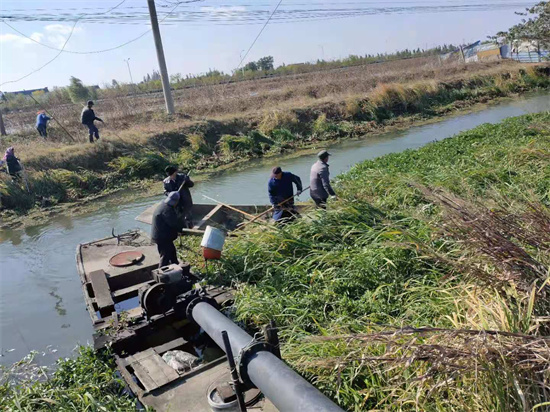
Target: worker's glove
[299,192]
[334,197]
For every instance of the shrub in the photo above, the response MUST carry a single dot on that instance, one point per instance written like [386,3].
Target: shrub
[184,158]
[45,185]
[283,135]
[146,165]
[323,128]
[13,194]
[199,144]
[230,144]
[278,119]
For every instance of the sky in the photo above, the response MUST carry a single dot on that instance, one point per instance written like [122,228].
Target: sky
[214,34]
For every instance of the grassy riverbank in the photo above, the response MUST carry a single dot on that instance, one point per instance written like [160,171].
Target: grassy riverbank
[424,287]
[60,173]
[383,299]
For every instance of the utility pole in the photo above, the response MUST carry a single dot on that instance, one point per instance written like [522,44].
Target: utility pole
[241,58]
[129,71]
[160,55]
[2,128]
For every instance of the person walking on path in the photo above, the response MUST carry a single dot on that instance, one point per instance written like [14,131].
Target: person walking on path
[280,188]
[88,117]
[165,228]
[320,181]
[13,166]
[180,182]
[42,123]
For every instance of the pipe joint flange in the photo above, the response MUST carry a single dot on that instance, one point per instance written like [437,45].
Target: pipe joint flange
[194,302]
[246,355]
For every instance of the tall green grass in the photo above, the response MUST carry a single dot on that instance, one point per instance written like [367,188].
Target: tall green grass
[451,236]
[86,383]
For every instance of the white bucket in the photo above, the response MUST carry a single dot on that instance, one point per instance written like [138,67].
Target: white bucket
[213,238]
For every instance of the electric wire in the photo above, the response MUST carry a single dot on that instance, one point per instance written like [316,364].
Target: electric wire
[259,34]
[72,30]
[255,13]
[102,50]
[246,54]
[51,47]
[47,63]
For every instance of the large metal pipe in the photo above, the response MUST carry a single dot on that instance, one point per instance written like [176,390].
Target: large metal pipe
[287,390]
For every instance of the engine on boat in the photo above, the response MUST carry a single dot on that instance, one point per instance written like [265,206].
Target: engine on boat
[169,282]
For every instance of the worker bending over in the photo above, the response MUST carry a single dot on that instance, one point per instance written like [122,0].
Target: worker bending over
[320,181]
[13,167]
[42,123]
[280,189]
[165,229]
[88,117]
[180,182]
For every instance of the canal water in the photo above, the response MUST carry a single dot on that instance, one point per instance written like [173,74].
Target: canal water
[41,303]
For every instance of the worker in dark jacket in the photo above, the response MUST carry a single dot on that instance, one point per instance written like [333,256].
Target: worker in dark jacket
[88,118]
[42,123]
[165,229]
[12,163]
[280,189]
[180,182]
[320,181]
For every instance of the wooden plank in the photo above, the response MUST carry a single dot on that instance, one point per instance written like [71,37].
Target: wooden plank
[176,343]
[142,374]
[102,292]
[151,370]
[208,216]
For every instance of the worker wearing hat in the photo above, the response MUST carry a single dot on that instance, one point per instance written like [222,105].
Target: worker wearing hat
[180,182]
[320,180]
[42,123]
[165,228]
[280,190]
[88,117]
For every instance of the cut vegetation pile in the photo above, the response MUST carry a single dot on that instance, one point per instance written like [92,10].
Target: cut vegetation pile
[59,173]
[425,287]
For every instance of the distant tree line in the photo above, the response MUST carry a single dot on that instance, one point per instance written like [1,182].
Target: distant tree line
[77,92]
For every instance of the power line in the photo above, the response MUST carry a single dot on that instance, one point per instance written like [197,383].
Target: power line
[103,50]
[51,47]
[254,13]
[77,52]
[98,51]
[46,64]
[260,33]
[250,48]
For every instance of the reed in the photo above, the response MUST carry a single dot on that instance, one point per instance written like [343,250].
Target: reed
[425,286]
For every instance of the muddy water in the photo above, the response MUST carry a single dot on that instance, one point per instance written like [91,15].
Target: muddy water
[41,304]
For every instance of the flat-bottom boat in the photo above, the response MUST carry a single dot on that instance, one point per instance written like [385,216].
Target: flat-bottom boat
[138,314]
[226,217]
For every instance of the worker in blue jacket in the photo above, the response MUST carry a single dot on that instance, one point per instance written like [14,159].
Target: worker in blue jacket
[87,118]
[42,123]
[280,189]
